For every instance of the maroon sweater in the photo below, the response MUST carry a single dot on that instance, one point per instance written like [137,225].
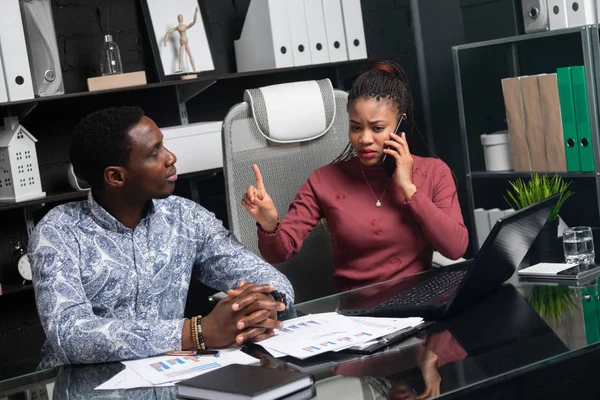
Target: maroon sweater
[372,244]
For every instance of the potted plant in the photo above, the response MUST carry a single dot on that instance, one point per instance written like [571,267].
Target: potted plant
[539,187]
[551,302]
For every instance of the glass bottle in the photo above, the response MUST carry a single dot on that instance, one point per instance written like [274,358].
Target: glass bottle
[110,61]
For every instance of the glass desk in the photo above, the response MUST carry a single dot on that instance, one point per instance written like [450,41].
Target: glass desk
[520,339]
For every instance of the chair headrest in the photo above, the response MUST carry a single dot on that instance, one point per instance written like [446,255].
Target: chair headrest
[293,112]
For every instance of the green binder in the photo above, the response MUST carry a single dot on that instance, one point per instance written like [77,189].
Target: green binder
[567,111]
[582,116]
[589,304]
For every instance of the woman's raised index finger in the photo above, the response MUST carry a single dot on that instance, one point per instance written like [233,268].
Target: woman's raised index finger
[259,179]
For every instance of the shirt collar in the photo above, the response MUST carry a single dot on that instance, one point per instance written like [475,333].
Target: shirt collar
[106,219]
[372,173]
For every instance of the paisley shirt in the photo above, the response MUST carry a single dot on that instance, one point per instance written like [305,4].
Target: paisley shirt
[105,292]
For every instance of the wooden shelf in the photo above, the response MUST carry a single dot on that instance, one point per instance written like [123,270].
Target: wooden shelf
[202,77]
[200,175]
[9,288]
[513,175]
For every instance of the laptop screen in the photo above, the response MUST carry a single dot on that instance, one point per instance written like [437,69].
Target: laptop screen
[503,250]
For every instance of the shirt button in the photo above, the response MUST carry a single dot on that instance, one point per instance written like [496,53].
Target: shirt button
[395,261]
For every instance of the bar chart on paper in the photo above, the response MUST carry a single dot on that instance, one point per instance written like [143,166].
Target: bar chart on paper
[315,334]
[319,333]
[180,366]
[158,370]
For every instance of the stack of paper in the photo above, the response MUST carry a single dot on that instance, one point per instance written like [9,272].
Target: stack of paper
[319,333]
[300,337]
[166,370]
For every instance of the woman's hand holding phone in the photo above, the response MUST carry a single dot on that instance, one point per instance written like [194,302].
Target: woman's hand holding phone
[397,147]
[260,205]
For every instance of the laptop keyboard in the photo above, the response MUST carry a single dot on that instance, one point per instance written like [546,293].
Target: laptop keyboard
[425,291]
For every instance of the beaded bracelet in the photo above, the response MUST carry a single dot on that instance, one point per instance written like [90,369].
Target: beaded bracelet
[193,331]
[199,335]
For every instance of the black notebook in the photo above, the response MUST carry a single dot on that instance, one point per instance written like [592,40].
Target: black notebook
[244,382]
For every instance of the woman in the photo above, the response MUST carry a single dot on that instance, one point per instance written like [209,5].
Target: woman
[381,227]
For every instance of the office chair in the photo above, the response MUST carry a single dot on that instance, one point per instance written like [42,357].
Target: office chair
[288,130]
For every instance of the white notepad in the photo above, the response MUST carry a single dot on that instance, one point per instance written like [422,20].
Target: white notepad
[559,272]
[545,269]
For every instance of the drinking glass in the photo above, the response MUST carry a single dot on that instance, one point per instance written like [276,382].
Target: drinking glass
[578,244]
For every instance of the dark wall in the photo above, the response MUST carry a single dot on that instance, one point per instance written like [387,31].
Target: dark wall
[491,19]
[80,26]
[440,28]
[440,94]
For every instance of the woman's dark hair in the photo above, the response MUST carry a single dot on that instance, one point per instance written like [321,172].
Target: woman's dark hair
[383,81]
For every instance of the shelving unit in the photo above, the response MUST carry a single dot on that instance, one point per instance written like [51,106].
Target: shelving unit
[185,84]
[57,197]
[185,89]
[594,31]
[515,175]
[10,288]
[479,69]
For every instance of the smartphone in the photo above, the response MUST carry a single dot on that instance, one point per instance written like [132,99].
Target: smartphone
[579,271]
[389,163]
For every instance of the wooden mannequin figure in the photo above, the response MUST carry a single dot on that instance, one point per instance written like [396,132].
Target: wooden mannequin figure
[183,42]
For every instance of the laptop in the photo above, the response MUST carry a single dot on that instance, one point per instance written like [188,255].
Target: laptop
[437,292]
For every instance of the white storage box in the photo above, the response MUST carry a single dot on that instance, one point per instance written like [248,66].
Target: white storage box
[496,151]
[198,146]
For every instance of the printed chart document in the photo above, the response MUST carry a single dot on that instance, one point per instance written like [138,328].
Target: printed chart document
[166,370]
[394,324]
[315,334]
[301,337]
[128,379]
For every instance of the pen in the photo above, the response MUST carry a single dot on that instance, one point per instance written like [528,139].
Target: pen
[193,353]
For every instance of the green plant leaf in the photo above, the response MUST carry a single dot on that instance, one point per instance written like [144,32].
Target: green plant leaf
[552,302]
[539,187]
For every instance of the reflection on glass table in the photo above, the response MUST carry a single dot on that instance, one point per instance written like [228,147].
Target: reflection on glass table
[571,309]
[500,337]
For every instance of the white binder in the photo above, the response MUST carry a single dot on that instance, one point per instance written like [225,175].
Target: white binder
[334,26]
[3,93]
[557,14]
[17,73]
[482,226]
[317,35]
[508,211]
[299,32]
[494,215]
[265,40]
[354,29]
[583,13]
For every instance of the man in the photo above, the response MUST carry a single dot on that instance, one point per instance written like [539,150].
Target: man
[111,274]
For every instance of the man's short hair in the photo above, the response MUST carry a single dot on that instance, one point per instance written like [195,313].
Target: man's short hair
[100,140]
